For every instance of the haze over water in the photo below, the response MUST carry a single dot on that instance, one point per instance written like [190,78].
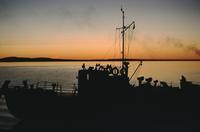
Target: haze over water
[66,72]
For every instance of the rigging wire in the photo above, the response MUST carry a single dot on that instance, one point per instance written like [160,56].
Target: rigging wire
[115,44]
[131,40]
[119,43]
[128,39]
[136,74]
[108,51]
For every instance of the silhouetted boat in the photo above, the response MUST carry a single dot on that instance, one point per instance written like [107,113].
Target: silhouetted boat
[100,90]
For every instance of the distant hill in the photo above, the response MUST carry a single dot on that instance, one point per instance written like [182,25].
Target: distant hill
[25,59]
[46,59]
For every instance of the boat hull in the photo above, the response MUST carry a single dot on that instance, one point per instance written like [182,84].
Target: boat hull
[37,105]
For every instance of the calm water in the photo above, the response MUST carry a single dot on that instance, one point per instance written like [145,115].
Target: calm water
[66,72]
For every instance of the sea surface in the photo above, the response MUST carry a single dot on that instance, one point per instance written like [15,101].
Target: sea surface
[66,73]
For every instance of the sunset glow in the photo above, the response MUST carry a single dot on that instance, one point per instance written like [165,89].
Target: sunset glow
[84,29]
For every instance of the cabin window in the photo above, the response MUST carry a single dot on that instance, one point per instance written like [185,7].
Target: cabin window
[88,77]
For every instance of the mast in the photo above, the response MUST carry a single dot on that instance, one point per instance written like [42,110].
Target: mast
[123,27]
[123,30]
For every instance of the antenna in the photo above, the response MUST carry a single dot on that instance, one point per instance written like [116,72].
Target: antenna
[124,28]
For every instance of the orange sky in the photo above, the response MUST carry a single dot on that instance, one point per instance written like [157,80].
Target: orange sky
[86,30]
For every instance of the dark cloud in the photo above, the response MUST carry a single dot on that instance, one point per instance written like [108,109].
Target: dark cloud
[4,8]
[194,48]
[175,42]
[51,13]
[179,44]
[87,15]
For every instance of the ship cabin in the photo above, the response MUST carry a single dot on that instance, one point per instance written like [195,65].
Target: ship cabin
[103,81]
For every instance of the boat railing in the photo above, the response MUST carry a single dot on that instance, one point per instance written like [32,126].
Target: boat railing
[198,83]
[3,104]
[56,87]
[43,86]
[47,85]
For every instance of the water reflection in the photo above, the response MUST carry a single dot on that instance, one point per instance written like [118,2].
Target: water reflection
[66,72]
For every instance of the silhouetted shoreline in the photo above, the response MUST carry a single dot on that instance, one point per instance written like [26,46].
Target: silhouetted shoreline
[45,59]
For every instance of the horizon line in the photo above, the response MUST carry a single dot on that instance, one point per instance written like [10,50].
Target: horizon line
[107,59]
